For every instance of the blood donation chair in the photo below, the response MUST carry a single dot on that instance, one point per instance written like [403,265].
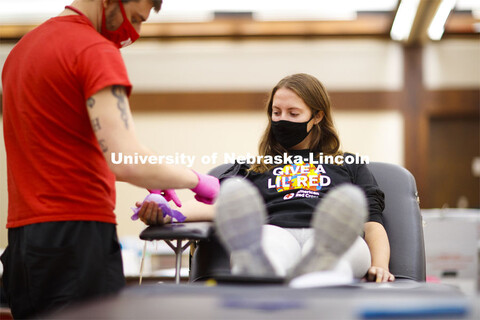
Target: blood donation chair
[402,221]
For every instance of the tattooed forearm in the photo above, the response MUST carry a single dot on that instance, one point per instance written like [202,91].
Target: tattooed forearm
[90,102]
[103,145]
[96,124]
[119,93]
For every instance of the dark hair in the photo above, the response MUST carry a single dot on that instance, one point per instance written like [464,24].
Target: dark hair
[324,135]
[157,4]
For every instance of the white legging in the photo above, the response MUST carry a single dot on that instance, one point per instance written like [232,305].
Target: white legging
[285,247]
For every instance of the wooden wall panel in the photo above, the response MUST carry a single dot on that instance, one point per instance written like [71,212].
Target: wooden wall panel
[416,120]
[453,145]
[198,101]
[245,101]
[452,103]
[435,103]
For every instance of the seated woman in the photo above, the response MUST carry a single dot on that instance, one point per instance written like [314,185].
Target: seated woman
[296,215]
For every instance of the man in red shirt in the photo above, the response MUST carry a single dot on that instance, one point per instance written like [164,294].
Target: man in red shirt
[65,112]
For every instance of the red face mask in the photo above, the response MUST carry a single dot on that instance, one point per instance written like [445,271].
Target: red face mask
[124,35]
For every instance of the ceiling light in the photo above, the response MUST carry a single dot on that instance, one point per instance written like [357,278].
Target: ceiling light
[402,24]
[437,26]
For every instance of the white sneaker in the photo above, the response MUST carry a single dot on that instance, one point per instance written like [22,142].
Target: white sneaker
[337,222]
[240,216]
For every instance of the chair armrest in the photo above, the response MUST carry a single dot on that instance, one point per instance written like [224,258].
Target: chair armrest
[178,231]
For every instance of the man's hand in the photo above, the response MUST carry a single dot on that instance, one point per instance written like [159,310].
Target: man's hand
[151,214]
[207,188]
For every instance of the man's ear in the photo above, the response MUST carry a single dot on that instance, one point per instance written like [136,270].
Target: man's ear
[318,117]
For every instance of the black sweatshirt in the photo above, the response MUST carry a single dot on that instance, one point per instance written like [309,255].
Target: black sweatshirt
[292,191]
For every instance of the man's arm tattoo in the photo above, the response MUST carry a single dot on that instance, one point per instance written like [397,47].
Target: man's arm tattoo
[103,145]
[96,124]
[119,93]
[90,102]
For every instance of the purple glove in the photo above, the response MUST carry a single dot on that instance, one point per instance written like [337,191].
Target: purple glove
[207,188]
[163,204]
[169,195]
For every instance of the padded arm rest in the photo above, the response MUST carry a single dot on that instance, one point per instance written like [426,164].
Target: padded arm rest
[178,231]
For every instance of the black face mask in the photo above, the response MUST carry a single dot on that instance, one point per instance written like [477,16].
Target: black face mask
[289,133]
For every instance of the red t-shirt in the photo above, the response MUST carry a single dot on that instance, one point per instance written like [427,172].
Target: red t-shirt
[56,169]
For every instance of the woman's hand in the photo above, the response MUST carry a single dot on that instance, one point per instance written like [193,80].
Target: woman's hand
[377,241]
[378,274]
[151,214]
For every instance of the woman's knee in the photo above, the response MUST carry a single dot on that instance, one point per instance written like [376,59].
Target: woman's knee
[359,258]
[282,249]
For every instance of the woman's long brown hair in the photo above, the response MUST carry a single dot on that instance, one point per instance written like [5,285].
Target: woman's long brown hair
[324,135]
